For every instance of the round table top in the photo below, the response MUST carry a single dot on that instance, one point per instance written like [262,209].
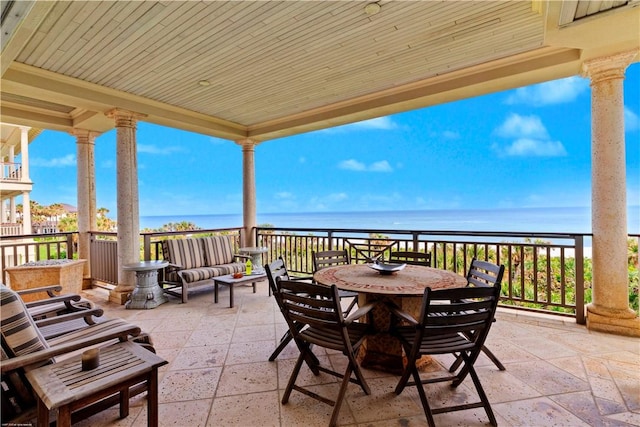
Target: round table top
[146,265]
[254,250]
[412,280]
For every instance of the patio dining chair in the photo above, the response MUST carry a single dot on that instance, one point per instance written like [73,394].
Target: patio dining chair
[483,274]
[324,259]
[452,321]
[276,271]
[411,257]
[315,318]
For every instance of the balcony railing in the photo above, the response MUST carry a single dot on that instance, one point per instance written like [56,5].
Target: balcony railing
[544,272]
[10,171]
[20,249]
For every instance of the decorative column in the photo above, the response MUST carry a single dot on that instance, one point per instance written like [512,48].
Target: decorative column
[24,153]
[85,144]
[248,190]
[26,213]
[127,201]
[12,211]
[12,161]
[609,311]
[3,211]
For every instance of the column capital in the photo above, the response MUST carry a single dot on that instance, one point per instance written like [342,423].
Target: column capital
[247,143]
[84,136]
[124,118]
[608,67]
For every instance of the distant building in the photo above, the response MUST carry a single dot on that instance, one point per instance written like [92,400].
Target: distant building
[14,178]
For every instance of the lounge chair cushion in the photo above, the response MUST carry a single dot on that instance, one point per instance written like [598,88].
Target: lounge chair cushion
[218,250]
[184,252]
[19,332]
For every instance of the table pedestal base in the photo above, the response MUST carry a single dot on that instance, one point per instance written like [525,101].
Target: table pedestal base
[147,293]
[382,351]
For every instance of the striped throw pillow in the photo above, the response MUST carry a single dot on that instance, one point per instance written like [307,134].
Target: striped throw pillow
[217,250]
[186,253]
[19,332]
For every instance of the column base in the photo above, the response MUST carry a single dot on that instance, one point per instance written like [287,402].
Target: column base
[619,322]
[120,295]
[87,283]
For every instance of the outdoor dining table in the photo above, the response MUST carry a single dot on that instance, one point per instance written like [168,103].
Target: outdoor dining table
[405,288]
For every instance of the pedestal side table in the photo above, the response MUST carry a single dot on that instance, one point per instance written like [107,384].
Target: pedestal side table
[256,257]
[147,293]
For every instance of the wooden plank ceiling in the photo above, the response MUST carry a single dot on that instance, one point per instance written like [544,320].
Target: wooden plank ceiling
[249,64]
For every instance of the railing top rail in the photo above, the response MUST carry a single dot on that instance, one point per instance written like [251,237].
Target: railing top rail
[182,232]
[39,235]
[431,232]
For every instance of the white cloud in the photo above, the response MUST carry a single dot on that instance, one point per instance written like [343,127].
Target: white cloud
[355,165]
[153,149]
[631,120]
[337,197]
[529,138]
[449,134]
[517,126]
[535,147]
[352,165]
[379,123]
[549,93]
[382,166]
[68,160]
[284,195]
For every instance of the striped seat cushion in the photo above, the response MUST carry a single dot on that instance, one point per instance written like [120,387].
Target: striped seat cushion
[218,250]
[203,273]
[19,332]
[187,253]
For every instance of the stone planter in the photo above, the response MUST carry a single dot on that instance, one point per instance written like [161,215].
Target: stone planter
[64,272]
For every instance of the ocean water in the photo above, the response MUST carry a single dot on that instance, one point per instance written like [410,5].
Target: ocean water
[538,220]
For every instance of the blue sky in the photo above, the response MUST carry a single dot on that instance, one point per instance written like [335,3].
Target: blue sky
[528,147]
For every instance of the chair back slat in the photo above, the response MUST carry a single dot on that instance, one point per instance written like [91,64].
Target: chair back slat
[311,304]
[275,271]
[411,257]
[452,311]
[483,273]
[326,259]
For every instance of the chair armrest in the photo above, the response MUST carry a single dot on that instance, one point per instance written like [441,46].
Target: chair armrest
[53,300]
[241,256]
[174,267]
[360,312]
[294,278]
[399,313]
[48,289]
[86,314]
[118,332]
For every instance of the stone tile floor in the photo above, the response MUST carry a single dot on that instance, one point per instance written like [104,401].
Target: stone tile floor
[558,373]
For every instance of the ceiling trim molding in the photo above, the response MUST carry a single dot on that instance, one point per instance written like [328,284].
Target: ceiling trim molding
[20,33]
[41,84]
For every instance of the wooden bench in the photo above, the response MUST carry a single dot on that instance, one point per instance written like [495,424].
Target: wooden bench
[192,260]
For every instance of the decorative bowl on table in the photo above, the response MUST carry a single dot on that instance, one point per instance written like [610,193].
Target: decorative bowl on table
[387,268]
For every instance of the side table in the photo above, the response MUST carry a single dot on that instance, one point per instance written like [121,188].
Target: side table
[230,281]
[66,387]
[256,257]
[147,293]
